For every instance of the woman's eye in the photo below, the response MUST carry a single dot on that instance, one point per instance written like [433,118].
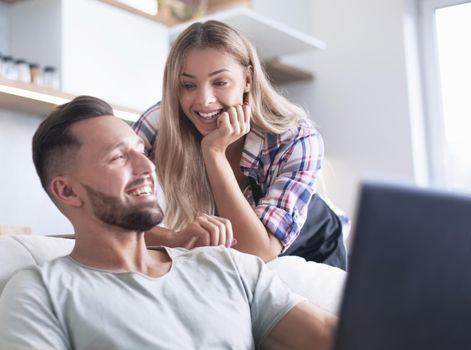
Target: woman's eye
[220,83]
[187,86]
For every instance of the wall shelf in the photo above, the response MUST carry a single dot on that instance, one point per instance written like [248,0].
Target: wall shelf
[282,73]
[30,98]
[165,16]
[272,39]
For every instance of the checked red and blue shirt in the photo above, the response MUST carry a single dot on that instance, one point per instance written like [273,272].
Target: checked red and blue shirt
[286,167]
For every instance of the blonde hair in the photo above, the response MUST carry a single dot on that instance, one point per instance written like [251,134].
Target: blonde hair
[178,157]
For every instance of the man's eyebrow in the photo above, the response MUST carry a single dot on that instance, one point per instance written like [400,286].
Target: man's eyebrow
[139,142]
[209,75]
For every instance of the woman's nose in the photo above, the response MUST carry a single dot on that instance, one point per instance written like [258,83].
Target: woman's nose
[206,96]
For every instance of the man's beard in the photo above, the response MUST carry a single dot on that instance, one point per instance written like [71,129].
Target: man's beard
[112,211]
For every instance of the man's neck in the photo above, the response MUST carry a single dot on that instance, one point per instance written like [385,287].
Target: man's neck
[118,251]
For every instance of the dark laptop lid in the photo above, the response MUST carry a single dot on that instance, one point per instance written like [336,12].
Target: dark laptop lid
[409,284]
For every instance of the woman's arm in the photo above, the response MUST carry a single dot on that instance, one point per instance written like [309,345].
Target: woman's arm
[252,236]
[205,230]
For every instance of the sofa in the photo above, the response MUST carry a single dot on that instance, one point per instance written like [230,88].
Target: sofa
[320,284]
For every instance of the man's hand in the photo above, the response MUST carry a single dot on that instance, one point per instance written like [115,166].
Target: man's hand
[206,230]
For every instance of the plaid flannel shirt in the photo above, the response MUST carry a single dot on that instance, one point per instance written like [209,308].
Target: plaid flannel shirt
[285,166]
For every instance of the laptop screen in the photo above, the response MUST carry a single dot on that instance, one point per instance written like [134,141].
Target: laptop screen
[409,283]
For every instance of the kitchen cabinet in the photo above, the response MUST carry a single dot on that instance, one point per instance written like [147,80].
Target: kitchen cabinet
[92,45]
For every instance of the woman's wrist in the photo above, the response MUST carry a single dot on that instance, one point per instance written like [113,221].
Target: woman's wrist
[212,153]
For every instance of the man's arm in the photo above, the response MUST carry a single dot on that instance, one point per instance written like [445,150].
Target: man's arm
[305,326]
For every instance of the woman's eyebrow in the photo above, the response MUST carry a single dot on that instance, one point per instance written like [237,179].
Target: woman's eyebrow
[209,75]
[218,71]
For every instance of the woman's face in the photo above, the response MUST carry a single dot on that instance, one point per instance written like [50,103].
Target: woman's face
[210,82]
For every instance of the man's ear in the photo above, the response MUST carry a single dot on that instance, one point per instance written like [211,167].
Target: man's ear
[62,189]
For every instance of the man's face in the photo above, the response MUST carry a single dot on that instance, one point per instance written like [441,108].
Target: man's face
[113,175]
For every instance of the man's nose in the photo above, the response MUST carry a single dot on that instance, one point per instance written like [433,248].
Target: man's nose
[142,164]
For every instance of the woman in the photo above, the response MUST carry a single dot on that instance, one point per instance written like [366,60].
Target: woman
[220,126]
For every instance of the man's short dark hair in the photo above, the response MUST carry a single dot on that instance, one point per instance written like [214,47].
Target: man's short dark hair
[54,145]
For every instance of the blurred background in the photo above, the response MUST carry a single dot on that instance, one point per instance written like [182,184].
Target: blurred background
[387,82]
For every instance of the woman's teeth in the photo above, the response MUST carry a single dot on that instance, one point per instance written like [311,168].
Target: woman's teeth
[210,115]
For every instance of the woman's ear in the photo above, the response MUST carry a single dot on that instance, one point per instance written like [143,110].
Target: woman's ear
[62,189]
[248,79]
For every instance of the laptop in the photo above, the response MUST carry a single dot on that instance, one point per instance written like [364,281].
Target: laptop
[409,282]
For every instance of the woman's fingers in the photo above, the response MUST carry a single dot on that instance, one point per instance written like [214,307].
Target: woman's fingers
[226,235]
[223,121]
[213,231]
[247,116]
[191,242]
[232,124]
[208,230]
[239,119]
[234,119]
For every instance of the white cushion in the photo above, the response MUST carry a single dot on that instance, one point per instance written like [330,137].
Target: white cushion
[321,284]
[19,251]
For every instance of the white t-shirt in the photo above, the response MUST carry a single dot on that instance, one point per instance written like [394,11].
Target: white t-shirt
[212,298]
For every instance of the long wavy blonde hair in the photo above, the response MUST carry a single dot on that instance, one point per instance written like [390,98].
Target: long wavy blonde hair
[180,167]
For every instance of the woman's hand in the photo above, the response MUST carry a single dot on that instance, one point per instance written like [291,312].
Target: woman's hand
[231,126]
[206,230]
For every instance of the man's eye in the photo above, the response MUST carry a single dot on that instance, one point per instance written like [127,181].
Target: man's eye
[117,157]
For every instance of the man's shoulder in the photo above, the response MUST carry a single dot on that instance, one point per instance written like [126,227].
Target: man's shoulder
[34,278]
[56,265]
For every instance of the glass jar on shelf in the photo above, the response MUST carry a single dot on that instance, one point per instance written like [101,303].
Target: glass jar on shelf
[50,77]
[8,68]
[22,71]
[36,75]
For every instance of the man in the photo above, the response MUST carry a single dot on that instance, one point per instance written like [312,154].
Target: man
[114,293]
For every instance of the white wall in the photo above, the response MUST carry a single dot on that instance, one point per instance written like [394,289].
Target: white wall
[35,31]
[359,98]
[112,53]
[23,201]
[4,29]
